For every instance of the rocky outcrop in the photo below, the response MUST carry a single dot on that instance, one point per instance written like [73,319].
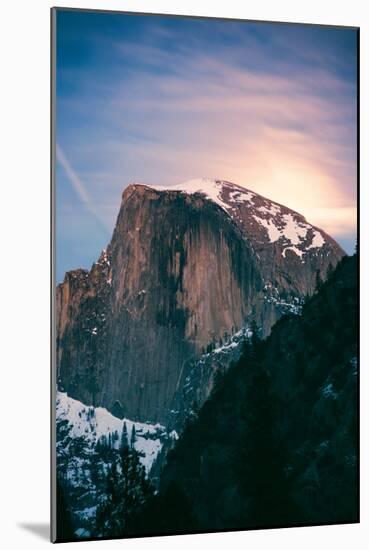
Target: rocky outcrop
[279,436]
[186,267]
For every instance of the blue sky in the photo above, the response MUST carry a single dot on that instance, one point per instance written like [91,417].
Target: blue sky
[162,100]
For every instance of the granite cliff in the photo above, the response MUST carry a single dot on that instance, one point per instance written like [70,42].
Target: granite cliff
[187,267]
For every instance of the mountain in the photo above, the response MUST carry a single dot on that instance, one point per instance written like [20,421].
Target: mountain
[276,443]
[94,424]
[186,269]
[89,440]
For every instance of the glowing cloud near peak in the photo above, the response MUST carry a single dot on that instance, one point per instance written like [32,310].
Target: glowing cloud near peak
[261,104]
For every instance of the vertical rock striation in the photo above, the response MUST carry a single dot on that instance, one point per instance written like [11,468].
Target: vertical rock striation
[186,267]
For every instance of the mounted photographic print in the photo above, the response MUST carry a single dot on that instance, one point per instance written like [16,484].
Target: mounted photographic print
[205,286]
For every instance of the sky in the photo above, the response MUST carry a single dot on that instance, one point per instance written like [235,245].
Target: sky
[162,100]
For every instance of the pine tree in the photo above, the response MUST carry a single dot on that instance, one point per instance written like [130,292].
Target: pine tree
[255,336]
[217,380]
[318,281]
[64,524]
[330,272]
[124,437]
[261,461]
[133,436]
[127,491]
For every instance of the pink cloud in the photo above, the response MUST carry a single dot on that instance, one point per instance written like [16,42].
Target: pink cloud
[292,139]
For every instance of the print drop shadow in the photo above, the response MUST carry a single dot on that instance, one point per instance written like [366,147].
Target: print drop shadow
[42,530]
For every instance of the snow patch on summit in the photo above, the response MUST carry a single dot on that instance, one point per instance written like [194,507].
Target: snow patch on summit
[317,242]
[294,249]
[280,223]
[274,233]
[206,186]
[294,231]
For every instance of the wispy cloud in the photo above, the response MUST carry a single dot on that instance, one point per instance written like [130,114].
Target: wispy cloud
[80,188]
[268,107]
[279,136]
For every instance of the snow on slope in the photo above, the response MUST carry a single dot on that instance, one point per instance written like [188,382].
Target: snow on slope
[273,232]
[280,223]
[92,423]
[209,187]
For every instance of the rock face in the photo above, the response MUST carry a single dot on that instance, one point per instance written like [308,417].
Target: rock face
[186,267]
[287,410]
